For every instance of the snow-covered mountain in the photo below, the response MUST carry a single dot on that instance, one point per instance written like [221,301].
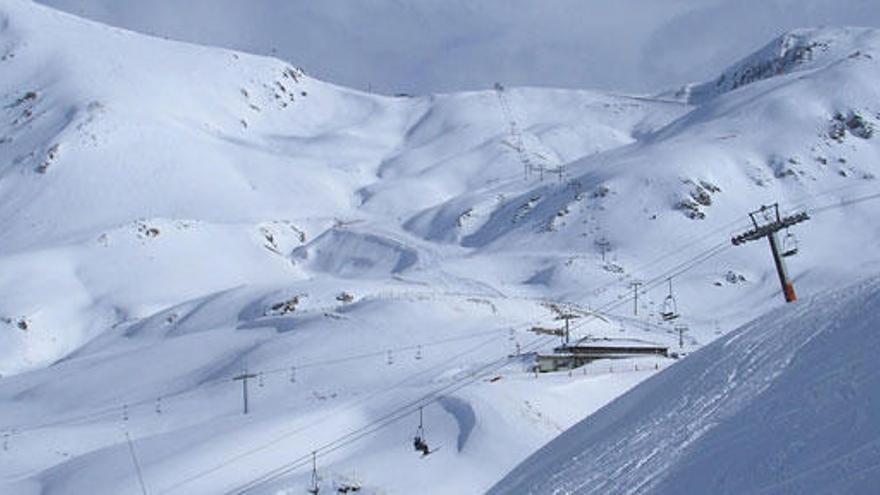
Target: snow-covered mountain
[172,214]
[785,404]
[429,46]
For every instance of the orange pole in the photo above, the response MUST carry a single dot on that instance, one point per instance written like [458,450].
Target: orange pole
[787,285]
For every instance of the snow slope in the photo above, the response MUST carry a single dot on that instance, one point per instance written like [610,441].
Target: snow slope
[426,46]
[785,404]
[173,214]
[117,176]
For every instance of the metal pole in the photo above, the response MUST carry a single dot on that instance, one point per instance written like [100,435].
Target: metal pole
[787,285]
[636,300]
[315,488]
[773,224]
[137,465]
[244,393]
[636,286]
[244,390]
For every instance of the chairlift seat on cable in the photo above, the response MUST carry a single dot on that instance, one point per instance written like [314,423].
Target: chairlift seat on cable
[669,316]
[419,443]
[789,245]
[669,313]
[669,310]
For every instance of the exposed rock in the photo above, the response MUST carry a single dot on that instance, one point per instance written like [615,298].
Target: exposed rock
[690,208]
[734,278]
[146,231]
[853,123]
[284,307]
[51,156]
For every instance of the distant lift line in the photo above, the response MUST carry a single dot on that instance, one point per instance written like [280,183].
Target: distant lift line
[515,134]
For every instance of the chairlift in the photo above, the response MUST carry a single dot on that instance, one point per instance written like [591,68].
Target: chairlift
[789,244]
[419,443]
[669,311]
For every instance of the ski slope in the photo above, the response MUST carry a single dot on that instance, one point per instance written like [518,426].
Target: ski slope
[174,214]
[785,404]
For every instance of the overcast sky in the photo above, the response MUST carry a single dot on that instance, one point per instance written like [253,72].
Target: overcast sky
[422,46]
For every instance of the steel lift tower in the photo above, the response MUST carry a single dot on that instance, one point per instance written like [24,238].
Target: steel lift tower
[767,223]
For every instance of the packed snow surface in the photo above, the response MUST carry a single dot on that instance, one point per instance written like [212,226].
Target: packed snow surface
[173,215]
[785,404]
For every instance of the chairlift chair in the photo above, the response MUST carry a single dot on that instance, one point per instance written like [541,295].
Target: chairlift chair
[789,244]
[669,311]
[419,443]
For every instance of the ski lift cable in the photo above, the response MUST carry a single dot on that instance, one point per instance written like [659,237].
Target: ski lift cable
[677,270]
[383,421]
[357,403]
[433,396]
[383,352]
[109,411]
[843,203]
[800,201]
[112,410]
[391,416]
[744,221]
[278,472]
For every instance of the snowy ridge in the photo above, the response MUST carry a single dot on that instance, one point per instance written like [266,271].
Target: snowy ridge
[782,405]
[797,51]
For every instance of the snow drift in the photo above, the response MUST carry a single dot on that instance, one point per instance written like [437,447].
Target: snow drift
[785,404]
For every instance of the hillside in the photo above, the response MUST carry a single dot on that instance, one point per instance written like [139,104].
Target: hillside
[173,215]
[781,405]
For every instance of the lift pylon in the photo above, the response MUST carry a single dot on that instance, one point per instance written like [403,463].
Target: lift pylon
[767,223]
